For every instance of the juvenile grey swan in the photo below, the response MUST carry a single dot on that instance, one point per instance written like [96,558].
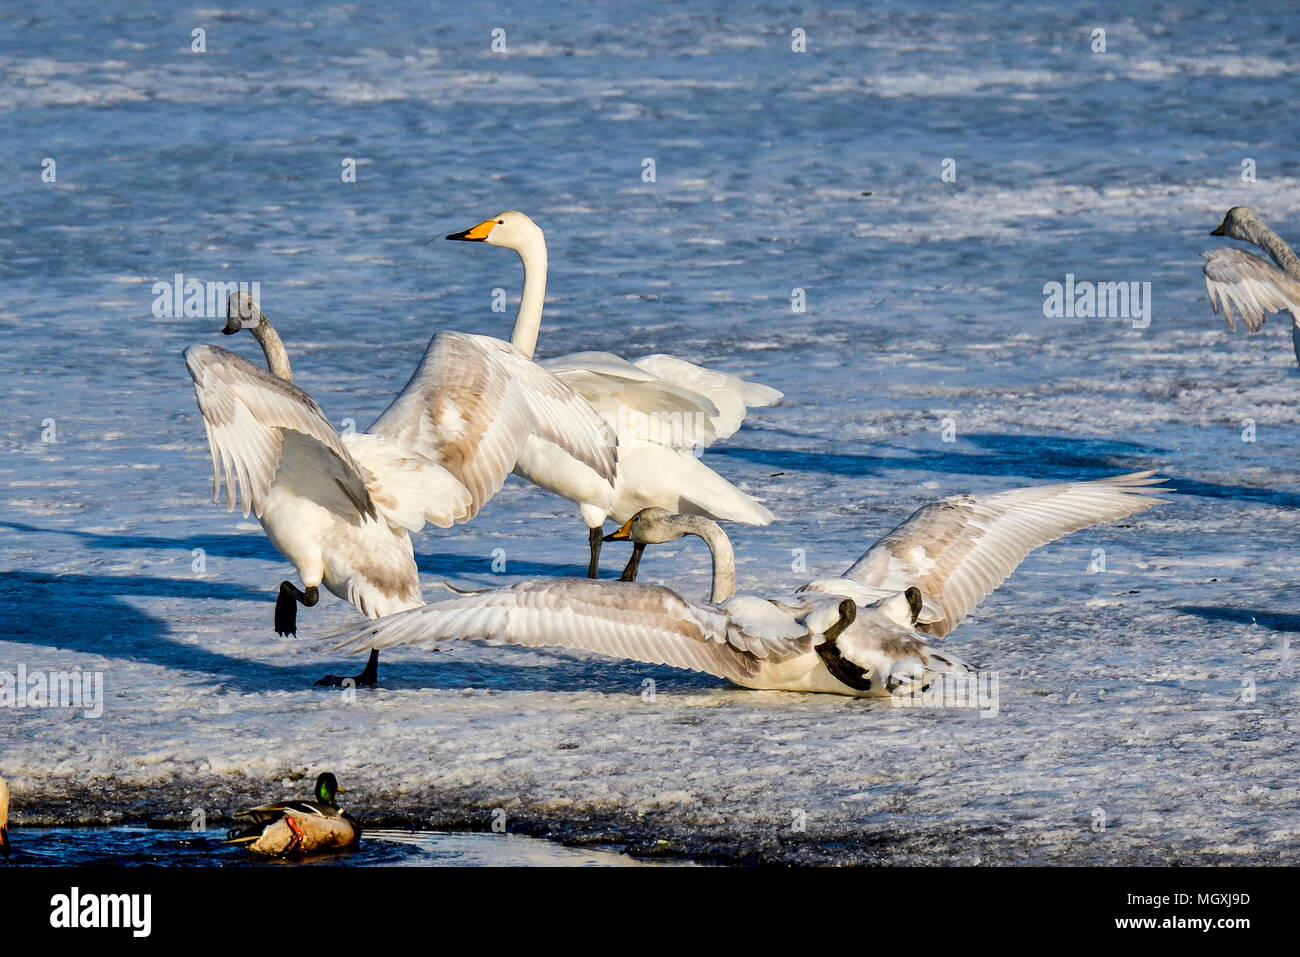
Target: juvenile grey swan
[341,507]
[1235,277]
[862,634]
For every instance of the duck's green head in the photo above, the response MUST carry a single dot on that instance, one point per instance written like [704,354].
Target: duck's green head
[327,786]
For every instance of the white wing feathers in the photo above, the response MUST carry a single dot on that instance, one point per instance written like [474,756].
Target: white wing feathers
[638,404]
[959,549]
[732,395]
[687,406]
[407,488]
[1251,284]
[633,620]
[256,422]
[472,404]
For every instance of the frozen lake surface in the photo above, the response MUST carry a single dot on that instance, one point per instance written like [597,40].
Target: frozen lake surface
[1147,711]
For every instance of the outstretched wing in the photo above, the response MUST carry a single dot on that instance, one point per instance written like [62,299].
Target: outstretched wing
[472,404]
[959,549]
[732,395]
[662,399]
[638,404]
[633,620]
[1252,285]
[259,426]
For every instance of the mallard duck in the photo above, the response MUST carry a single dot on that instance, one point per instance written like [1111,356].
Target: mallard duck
[294,828]
[4,818]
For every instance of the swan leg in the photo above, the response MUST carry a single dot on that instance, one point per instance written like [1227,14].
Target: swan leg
[594,539]
[368,678]
[1295,340]
[286,606]
[633,563]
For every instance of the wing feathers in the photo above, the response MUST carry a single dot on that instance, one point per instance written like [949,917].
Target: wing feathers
[1235,278]
[959,549]
[251,418]
[632,620]
[472,404]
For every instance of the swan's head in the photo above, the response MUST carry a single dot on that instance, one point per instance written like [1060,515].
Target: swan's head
[242,312]
[1238,224]
[511,229]
[651,526]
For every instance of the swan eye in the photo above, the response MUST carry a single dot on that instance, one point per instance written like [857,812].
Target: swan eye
[501,222]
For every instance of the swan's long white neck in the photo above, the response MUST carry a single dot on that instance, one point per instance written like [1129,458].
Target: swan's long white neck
[724,558]
[528,321]
[277,358]
[1276,247]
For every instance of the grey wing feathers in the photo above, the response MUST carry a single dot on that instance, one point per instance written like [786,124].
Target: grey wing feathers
[959,549]
[472,404]
[270,812]
[251,417]
[633,620]
[1251,284]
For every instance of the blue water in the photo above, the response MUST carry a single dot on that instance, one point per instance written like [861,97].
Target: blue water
[142,846]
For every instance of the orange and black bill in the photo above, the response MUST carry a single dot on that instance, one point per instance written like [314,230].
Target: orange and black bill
[621,534]
[475,234]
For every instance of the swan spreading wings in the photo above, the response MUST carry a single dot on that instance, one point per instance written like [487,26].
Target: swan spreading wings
[663,410]
[1240,280]
[863,633]
[341,507]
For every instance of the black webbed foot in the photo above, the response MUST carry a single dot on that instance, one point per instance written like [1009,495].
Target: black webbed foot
[368,678]
[286,606]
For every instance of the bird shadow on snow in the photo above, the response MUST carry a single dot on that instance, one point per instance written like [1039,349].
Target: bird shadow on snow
[483,666]
[256,545]
[249,545]
[447,564]
[1041,457]
[1272,620]
[88,614]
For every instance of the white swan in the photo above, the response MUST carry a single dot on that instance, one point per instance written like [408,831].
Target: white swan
[663,409]
[341,508]
[4,818]
[1234,277]
[861,634]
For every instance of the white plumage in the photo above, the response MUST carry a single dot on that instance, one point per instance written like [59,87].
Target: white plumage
[341,507]
[862,634]
[663,410]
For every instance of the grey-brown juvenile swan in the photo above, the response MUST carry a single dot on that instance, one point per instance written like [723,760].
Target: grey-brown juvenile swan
[1251,284]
